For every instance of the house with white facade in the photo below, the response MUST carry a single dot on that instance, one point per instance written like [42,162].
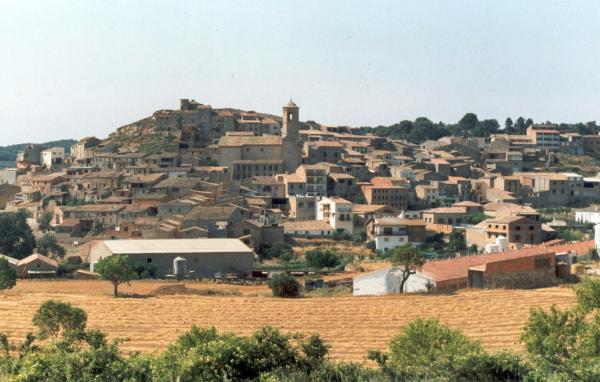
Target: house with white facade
[337,212]
[53,156]
[389,233]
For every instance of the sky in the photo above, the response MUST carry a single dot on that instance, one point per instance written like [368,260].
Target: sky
[70,69]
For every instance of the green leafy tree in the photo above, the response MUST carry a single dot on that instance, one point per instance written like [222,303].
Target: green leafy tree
[408,259]
[55,317]
[588,294]
[44,220]
[16,238]
[115,269]
[8,276]
[277,250]
[48,244]
[322,258]
[468,122]
[563,344]
[426,349]
[86,356]
[204,355]
[457,242]
[475,217]
[508,125]
[435,241]
[284,285]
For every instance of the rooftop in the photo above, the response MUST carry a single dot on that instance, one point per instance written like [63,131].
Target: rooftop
[175,246]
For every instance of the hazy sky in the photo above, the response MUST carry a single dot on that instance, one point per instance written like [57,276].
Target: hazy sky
[70,69]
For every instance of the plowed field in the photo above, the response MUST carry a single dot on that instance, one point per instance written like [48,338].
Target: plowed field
[352,325]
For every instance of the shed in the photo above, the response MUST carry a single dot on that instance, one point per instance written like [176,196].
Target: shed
[206,257]
[37,265]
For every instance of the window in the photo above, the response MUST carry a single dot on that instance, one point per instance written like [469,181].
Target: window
[149,260]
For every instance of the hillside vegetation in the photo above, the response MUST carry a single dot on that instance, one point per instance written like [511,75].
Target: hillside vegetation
[9,153]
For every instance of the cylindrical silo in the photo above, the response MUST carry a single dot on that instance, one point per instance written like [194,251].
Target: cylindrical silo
[180,267]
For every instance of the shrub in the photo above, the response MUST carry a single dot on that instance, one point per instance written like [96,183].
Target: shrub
[425,348]
[54,317]
[322,258]
[284,285]
[204,355]
[8,276]
[277,250]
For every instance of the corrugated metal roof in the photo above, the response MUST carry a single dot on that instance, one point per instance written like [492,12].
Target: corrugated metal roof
[170,246]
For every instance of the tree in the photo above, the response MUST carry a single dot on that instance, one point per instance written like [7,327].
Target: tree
[520,126]
[475,217]
[54,317]
[435,241]
[8,276]
[457,242]
[322,258]
[426,349]
[44,220]
[468,122]
[16,238]
[588,294]
[48,244]
[563,344]
[409,259]
[508,125]
[284,285]
[86,356]
[278,249]
[115,269]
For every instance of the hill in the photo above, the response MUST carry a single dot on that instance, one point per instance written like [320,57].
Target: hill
[9,153]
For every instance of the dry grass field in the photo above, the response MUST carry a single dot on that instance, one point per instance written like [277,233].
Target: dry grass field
[352,325]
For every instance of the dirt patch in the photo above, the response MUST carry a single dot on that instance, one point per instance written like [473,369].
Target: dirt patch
[181,289]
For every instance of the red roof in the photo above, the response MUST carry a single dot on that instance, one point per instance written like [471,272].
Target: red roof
[456,269]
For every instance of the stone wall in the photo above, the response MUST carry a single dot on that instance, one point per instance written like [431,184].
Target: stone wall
[526,280]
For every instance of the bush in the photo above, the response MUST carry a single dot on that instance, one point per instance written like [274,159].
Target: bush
[323,258]
[8,276]
[54,317]
[284,285]
[344,236]
[278,250]
[204,355]
[426,349]
[145,270]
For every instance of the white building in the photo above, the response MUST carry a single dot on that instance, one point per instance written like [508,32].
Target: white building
[588,215]
[338,213]
[387,281]
[389,233]
[8,176]
[53,156]
[205,257]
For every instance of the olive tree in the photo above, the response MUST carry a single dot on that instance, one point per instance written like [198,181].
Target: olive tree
[55,317]
[408,259]
[115,269]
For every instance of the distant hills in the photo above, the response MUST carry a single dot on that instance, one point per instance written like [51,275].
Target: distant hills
[9,153]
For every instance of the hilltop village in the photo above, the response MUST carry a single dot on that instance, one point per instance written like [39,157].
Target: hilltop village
[230,191]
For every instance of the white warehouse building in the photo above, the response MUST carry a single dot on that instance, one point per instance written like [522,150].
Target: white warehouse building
[205,257]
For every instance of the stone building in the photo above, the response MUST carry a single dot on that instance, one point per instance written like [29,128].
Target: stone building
[245,153]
